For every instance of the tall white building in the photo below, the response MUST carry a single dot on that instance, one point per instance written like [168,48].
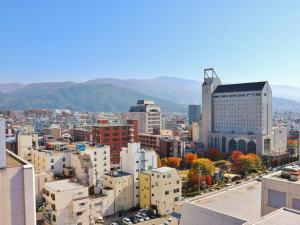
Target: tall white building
[147,114]
[236,116]
[17,190]
[135,160]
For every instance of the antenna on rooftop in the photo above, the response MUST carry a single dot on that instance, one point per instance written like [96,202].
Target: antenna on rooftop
[210,73]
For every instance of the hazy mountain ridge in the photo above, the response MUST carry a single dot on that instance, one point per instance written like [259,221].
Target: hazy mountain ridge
[108,94]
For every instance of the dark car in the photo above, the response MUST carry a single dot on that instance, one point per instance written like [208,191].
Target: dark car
[151,214]
[134,220]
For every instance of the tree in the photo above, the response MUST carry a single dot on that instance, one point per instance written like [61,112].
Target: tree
[220,163]
[214,154]
[189,158]
[173,162]
[200,169]
[159,164]
[235,155]
[164,161]
[248,163]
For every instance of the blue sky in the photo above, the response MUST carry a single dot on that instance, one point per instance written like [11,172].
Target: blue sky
[80,40]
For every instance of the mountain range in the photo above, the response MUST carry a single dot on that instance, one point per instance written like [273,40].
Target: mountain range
[109,95]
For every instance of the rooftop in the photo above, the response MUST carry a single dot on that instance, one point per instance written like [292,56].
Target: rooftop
[13,160]
[232,201]
[63,185]
[255,86]
[163,169]
[281,216]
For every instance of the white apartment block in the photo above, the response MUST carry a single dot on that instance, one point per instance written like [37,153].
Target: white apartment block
[237,116]
[51,161]
[17,200]
[147,114]
[100,156]
[83,166]
[68,202]
[135,160]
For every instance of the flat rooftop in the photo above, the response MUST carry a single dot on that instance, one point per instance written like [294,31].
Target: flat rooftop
[163,169]
[13,160]
[242,202]
[281,216]
[63,185]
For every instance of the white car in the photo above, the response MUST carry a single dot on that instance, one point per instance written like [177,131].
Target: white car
[100,219]
[127,221]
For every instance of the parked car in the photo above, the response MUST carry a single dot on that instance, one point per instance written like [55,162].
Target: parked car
[145,216]
[151,214]
[139,218]
[127,221]
[134,220]
[114,224]
[170,220]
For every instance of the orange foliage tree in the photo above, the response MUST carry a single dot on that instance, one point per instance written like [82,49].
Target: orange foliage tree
[173,162]
[189,158]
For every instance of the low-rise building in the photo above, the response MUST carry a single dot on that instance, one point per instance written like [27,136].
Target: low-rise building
[68,202]
[281,189]
[159,189]
[122,185]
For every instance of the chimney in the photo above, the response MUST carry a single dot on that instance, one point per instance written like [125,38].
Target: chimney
[2,144]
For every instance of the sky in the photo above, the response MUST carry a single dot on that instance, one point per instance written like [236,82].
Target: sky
[76,40]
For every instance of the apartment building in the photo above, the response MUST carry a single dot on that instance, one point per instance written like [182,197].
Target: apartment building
[26,142]
[149,141]
[122,185]
[68,202]
[281,189]
[82,134]
[135,160]
[147,114]
[100,157]
[84,169]
[17,194]
[169,147]
[116,135]
[51,161]
[159,189]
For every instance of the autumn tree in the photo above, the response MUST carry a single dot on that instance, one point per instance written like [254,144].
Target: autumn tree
[173,162]
[164,162]
[189,158]
[200,168]
[214,154]
[235,156]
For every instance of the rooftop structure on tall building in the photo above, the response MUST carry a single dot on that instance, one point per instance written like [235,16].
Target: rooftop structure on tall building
[148,115]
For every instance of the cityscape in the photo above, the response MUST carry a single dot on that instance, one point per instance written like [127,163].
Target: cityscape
[216,144]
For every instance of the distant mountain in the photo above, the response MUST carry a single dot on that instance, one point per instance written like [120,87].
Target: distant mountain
[10,87]
[105,94]
[80,97]
[170,88]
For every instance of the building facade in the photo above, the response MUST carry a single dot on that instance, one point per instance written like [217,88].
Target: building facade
[147,114]
[116,135]
[135,160]
[159,189]
[236,116]
[194,112]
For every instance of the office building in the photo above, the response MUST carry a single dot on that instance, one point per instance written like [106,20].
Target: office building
[116,135]
[147,114]
[159,189]
[236,116]
[135,160]
[194,112]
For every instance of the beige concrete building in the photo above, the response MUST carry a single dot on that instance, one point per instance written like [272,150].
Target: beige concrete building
[281,189]
[41,178]
[83,166]
[26,143]
[68,202]
[122,185]
[51,161]
[17,191]
[159,189]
